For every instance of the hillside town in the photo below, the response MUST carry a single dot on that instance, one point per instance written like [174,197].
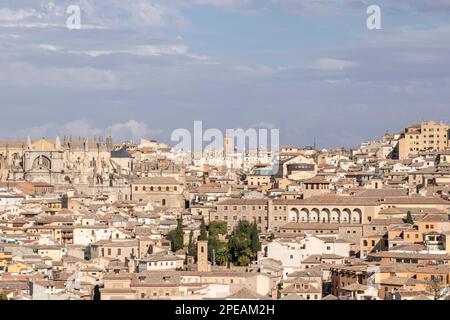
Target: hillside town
[87,219]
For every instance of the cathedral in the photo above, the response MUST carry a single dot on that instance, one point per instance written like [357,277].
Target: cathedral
[60,163]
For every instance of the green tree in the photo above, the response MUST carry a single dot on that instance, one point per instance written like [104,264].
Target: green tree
[409,218]
[3,296]
[217,227]
[255,244]
[244,243]
[179,236]
[97,293]
[243,227]
[239,245]
[191,245]
[214,246]
[171,237]
[271,237]
[223,256]
[203,235]
[244,260]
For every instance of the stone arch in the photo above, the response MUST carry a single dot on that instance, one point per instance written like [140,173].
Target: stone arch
[345,215]
[293,215]
[42,162]
[356,216]
[303,215]
[324,216]
[335,215]
[314,215]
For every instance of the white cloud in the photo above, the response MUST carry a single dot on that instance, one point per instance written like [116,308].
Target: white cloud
[48,47]
[139,50]
[27,75]
[120,131]
[8,15]
[333,65]
[144,50]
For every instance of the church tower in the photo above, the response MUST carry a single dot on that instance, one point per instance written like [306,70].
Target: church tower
[202,256]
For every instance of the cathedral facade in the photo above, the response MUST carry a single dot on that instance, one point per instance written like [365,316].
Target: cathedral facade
[60,163]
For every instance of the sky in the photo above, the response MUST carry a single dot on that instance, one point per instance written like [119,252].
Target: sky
[143,68]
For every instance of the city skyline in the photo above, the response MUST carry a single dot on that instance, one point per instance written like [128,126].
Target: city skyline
[217,143]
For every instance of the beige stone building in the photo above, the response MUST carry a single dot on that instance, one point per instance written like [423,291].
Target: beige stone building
[233,210]
[166,192]
[429,135]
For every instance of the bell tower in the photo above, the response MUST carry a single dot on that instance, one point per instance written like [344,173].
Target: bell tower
[202,256]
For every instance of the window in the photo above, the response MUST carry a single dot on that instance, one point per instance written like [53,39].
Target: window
[163,202]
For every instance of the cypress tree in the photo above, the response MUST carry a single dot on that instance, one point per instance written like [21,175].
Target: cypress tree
[97,294]
[191,244]
[179,236]
[409,218]
[254,239]
[203,235]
